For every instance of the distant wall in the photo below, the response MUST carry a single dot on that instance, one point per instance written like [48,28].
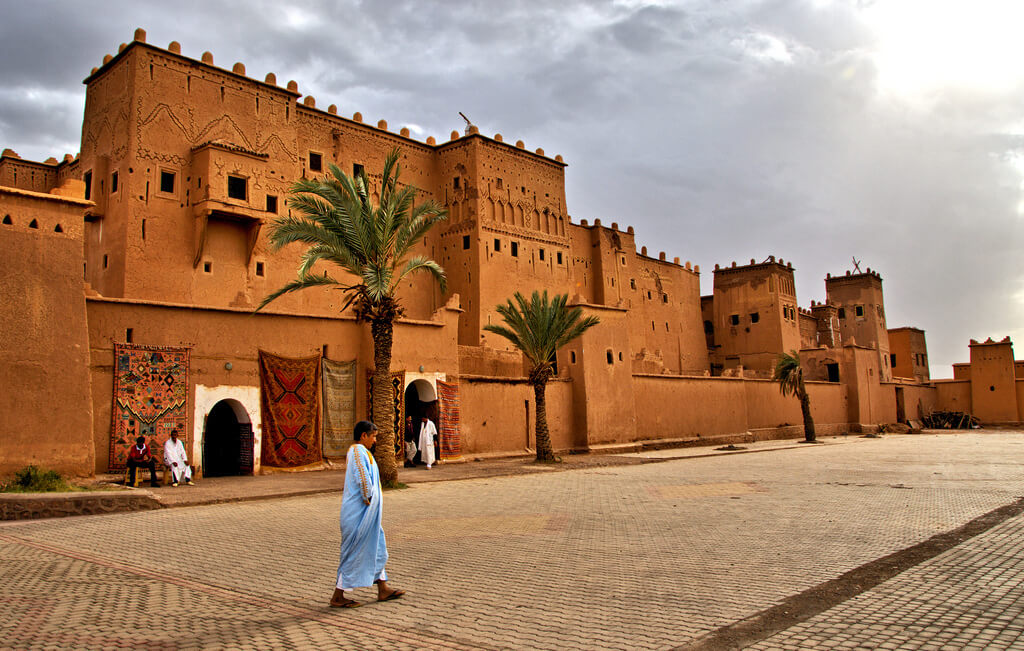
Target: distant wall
[683,407]
[680,407]
[499,415]
[919,400]
[953,395]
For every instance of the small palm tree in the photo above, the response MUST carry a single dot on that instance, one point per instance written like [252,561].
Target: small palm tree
[790,376]
[373,244]
[539,328]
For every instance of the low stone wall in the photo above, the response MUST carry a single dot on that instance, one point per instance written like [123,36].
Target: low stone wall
[32,506]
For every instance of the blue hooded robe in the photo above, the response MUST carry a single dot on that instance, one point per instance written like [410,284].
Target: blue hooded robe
[363,548]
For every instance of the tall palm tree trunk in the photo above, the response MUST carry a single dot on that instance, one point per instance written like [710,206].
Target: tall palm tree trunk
[805,407]
[382,331]
[544,451]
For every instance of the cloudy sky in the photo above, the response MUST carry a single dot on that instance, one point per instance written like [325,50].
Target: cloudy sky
[812,130]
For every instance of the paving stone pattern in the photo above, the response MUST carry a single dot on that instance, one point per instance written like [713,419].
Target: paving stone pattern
[645,556]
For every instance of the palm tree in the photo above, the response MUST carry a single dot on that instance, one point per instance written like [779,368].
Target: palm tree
[790,376]
[341,226]
[539,328]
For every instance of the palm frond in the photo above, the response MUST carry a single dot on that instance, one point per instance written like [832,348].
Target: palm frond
[335,217]
[295,285]
[789,374]
[539,327]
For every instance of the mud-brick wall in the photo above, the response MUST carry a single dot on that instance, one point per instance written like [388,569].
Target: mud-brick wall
[828,405]
[45,406]
[682,407]
[225,346]
[953,395]
[767,407]
[919,400]
[498,415]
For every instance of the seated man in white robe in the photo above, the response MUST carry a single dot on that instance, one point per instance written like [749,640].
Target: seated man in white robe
[176,461]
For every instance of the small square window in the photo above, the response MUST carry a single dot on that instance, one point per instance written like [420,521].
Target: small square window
[113,183]
[515,249]
[842,313]
[497,244]
[105,260]
[260,269]
[88,185]
[238,187]
[632,283]
[541,254]
[208,267]
[608,355]
[860,310]
[465,242]
[316,162]
[499,183]
[167,182]
[357,169]
[664,298]
[455,183]
[558,257]
[272,203]
[754,317]
[734,319]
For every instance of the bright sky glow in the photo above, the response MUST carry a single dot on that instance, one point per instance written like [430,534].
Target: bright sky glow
[925,45]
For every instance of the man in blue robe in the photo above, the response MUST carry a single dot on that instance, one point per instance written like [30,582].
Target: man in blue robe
[363,548]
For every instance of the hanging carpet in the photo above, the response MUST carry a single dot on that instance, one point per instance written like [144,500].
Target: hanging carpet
[451,443]
[339,389]
[290,406]
[150,399]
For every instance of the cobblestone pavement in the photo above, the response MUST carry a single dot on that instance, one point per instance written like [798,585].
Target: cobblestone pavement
[620,557]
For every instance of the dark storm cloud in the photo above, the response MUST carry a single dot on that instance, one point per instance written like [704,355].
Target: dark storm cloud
[720,130]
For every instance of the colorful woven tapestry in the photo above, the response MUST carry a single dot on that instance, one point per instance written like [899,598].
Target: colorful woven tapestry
[451,444]
[398,388]
[339,384]
[290,405]
[150,399]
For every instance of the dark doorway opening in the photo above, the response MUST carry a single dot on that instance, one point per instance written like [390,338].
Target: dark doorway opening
[227,441]
[833,372]
[420,399]
[901,407]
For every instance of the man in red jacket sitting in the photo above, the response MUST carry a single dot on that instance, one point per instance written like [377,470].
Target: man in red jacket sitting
[139,457]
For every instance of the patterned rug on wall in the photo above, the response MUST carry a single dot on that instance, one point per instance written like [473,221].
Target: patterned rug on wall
[290,406]
[451,443]
[150,399]
[339,384]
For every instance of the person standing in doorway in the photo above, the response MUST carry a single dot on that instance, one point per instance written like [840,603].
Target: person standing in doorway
[427,435]
[364,551]
[410,443]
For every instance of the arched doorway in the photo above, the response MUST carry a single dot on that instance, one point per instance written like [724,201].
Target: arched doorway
[420,399]
[227,441]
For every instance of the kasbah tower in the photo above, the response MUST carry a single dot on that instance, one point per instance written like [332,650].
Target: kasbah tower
[156,235]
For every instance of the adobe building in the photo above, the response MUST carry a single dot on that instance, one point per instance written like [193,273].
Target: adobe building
[162,246]
[908,356]
[989,387]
